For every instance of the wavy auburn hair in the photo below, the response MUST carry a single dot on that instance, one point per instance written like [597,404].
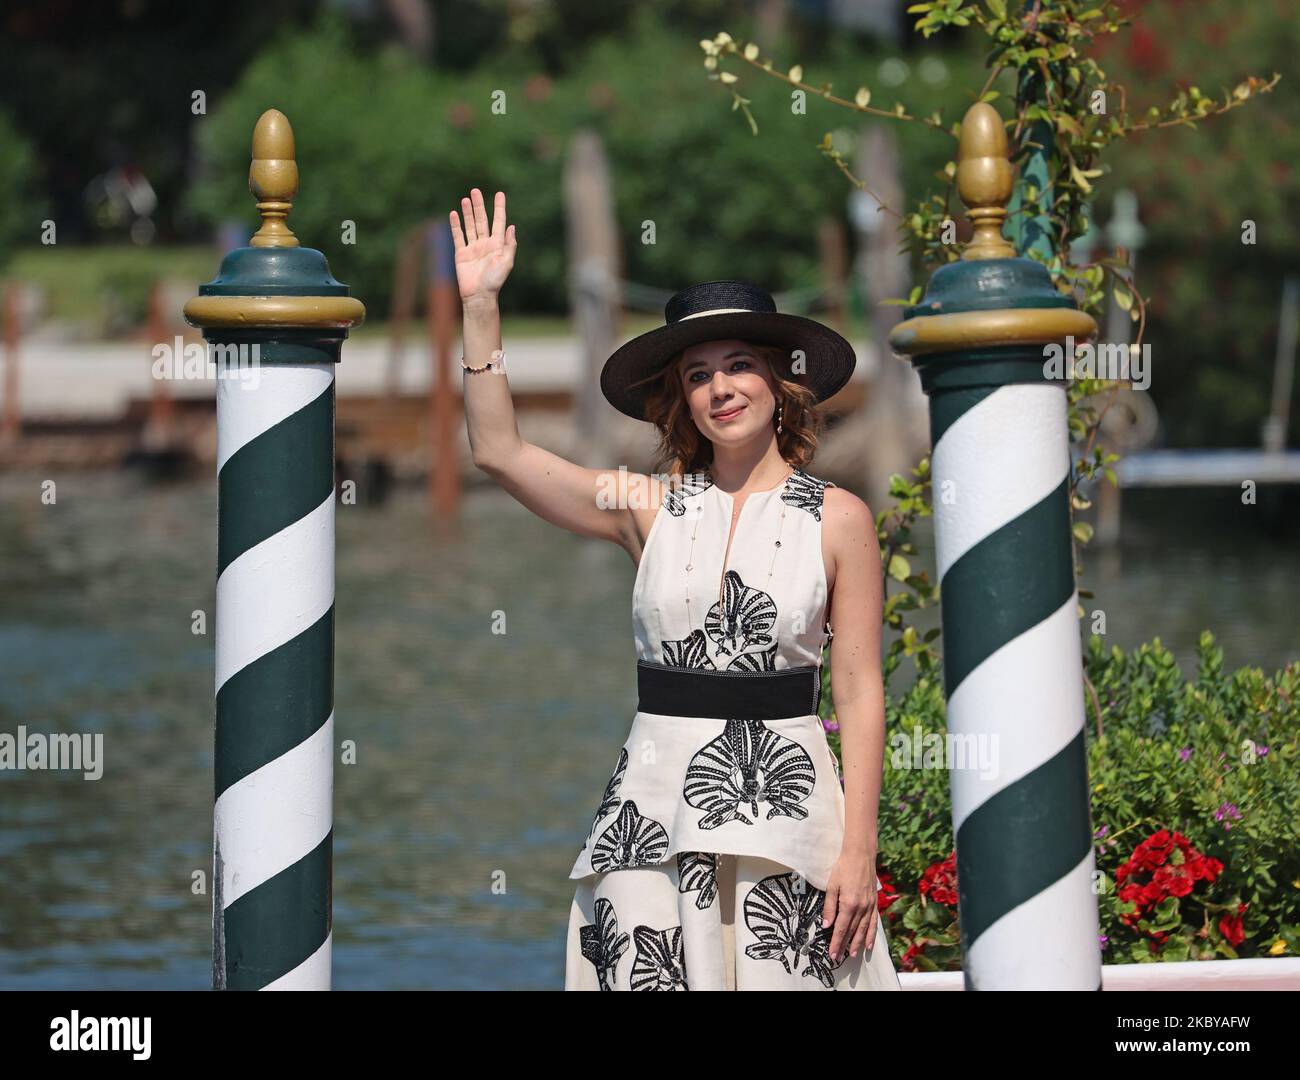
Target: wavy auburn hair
[684,449]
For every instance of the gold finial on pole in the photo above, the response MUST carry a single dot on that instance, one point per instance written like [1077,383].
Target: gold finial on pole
[273,179]
[984,181]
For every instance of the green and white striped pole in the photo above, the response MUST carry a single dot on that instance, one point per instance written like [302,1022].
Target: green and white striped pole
[275,320]
[1012,658]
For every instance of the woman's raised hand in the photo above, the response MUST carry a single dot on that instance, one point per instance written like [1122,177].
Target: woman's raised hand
[484,257]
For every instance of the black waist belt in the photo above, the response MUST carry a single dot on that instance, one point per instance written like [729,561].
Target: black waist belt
[728,695]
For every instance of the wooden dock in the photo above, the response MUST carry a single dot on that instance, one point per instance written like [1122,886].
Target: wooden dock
[1207,468]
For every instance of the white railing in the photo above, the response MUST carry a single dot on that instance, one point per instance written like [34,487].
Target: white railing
[1280,974]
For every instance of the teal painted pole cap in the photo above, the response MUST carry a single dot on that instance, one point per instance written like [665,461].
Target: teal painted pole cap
[276,291]
[990,299]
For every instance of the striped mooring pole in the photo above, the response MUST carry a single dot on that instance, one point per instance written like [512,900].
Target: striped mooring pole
[1013,672]
[275,320]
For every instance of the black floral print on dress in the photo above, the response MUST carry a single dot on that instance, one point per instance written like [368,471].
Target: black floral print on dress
[689,652]
[691,484]
[602,944]
[784,913]
[697,871]
[805,492]
[609,801]
[746,765]
[660,959]
[743,619]
[632,840]
[739,628]
[755,661]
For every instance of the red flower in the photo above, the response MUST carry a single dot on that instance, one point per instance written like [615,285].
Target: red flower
[1174,880]
[1207,868]
[1156,871]
[939,882]
[1230,927]
[887,894]
[1152,893]
[1151,852]
[913,951]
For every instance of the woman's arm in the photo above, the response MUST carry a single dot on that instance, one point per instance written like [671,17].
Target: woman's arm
[857,690]
[591,502]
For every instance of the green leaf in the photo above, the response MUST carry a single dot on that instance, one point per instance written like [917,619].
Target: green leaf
[1080,180]
[1068,124]
[899,569]
[998,7]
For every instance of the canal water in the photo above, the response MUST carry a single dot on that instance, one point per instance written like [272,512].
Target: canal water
[485,675]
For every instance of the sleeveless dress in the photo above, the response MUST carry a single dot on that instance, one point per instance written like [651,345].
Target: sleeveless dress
[707,859]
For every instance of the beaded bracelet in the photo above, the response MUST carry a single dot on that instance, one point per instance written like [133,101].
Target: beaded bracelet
[497,355]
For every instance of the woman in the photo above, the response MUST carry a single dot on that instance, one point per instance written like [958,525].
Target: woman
[727,852]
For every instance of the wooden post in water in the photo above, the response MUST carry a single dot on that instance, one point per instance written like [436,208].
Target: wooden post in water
[443,299]
[1274,433]
[406,271]
[13,423]
[891,429]
[1124,231]
[157,430]
[833,257]
[275,319]
[594,273]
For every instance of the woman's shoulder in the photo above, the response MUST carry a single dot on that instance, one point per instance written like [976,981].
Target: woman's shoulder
[839,507]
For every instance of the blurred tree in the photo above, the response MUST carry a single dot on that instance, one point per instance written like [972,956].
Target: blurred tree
[95,86]
[1213,316]
[722,202]
[22,209]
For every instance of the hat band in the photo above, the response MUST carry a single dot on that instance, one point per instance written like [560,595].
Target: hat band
[714,311]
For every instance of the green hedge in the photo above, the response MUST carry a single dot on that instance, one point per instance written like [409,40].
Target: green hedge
[1212,758]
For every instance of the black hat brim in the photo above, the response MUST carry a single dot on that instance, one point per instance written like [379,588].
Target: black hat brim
[829,359]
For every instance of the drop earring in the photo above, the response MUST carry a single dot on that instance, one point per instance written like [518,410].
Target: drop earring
[778,420]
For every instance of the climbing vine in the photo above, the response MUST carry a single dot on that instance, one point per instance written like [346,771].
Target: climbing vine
[1064,110]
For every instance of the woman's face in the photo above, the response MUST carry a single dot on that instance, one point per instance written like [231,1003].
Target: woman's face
[729,389]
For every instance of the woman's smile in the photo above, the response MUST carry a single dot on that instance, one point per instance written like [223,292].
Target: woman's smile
[730,414]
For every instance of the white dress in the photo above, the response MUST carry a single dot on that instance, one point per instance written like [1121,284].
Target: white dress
[709,853]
